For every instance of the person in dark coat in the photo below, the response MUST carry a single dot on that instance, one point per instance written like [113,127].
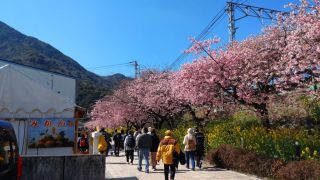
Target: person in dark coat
[117,143]
[154,148]
[129,145]
[199,147]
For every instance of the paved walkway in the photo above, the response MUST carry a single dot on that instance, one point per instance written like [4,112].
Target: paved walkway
[117,168]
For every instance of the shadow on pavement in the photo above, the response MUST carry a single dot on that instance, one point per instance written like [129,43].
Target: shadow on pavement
[211,169]
[124,178]
[116,163]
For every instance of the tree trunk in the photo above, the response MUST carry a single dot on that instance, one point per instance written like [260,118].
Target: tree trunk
[264,115]
[136,126]
[158,123]
[127,125]
[309,125]
[196,119]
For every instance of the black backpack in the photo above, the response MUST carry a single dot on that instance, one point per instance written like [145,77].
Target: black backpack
[130,142]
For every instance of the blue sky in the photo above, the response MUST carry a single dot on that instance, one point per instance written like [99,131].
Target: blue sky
[106,32]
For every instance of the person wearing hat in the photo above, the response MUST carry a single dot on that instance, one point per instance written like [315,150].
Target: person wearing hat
[190,147]
[167,148]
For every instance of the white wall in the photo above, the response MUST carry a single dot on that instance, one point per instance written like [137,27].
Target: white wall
[64,85]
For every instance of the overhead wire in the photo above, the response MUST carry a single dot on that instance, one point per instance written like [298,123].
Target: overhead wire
[108,66]
[204,33]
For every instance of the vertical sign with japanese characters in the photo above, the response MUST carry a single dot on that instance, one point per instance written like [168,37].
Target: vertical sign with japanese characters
[51,132]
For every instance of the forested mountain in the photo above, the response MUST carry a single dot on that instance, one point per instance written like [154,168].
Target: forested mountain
[27,50]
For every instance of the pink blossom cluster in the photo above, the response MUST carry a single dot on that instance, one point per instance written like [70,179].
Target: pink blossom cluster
[144,100]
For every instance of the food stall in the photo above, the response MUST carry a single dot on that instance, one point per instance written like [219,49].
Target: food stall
[44,121]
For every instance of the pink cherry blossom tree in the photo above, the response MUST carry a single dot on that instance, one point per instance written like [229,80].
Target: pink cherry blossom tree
[144,100]
[154,94]
[251,71]
[118,110]
[285,57]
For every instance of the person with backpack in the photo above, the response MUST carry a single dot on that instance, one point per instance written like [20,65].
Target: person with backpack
[199,147]
[168,151]
[129,145]
[83,144]
[154,148]
[190,147]
[117,143]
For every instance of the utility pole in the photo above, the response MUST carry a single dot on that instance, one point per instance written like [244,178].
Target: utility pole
[231,26]
[136,69]
[245,11]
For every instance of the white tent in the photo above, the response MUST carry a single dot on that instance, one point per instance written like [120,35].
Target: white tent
[22,98]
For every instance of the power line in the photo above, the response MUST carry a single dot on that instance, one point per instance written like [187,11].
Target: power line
[216,20]
[137,67]
[108,66]
[201,36]
[246,11]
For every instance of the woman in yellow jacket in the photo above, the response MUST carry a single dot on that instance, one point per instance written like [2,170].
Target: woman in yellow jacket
[167,147]
[102,146]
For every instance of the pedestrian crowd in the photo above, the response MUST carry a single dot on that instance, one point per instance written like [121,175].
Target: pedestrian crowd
[150,149]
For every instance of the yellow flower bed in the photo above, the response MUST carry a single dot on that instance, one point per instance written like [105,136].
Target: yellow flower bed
[278,143]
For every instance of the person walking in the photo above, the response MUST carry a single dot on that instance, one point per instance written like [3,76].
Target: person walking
[199,147]
[144,143]
[107,139]
[154,148]
[129,144]
[149,130]
[123,136]
[102,145]
[117,142]
[190,147]
[167,148]
[136,135]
